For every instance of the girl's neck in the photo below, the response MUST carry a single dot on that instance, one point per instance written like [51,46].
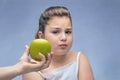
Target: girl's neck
[58,60]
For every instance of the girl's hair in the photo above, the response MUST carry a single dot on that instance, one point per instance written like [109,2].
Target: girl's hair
[50,12]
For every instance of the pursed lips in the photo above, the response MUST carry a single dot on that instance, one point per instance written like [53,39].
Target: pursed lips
[63,45]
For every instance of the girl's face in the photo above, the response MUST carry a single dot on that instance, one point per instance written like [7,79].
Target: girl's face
[59,33]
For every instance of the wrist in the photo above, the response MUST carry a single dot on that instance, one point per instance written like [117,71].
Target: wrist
[17,69]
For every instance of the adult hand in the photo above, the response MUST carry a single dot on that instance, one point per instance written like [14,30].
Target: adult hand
[27,64]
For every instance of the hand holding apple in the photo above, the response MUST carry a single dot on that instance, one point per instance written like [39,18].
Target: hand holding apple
[39,46]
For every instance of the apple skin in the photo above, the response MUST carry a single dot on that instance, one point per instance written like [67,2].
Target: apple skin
[39,46]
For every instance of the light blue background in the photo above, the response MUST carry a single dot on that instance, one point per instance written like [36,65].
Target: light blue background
[96,25]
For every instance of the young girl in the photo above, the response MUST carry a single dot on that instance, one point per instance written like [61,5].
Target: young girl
[55,25]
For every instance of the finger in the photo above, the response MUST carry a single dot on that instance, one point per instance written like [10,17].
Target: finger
[26,52]
[39,64]
[44,63]
[33,61]
[42,57]
[48,59]
[51,52]
[49,56]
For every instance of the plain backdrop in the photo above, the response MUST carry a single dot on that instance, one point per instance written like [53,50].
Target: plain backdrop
[96,28]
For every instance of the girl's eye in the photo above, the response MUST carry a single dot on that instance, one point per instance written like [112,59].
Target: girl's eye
[55,32]
[68,32]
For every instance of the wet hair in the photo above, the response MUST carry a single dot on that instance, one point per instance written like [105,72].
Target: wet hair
[50,12]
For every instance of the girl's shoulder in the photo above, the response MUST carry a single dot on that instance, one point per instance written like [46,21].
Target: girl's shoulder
[79,56]
[75,54]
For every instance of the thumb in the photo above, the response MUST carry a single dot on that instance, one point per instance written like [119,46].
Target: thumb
[26,53]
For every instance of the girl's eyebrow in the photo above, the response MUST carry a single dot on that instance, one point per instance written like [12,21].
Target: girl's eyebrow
[69,28]
[55,28]
[60,28]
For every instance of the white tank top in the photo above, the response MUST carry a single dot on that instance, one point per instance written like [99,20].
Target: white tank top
[67,72]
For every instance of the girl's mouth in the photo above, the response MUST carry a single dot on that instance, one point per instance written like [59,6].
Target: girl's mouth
[63,46]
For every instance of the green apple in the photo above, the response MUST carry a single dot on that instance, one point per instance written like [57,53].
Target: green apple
[39,46]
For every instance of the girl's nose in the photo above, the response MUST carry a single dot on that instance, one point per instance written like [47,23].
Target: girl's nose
[63,37]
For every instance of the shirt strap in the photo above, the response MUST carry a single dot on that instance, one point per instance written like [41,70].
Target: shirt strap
[78,56]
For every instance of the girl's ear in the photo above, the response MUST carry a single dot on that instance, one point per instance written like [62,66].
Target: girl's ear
[40,35]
